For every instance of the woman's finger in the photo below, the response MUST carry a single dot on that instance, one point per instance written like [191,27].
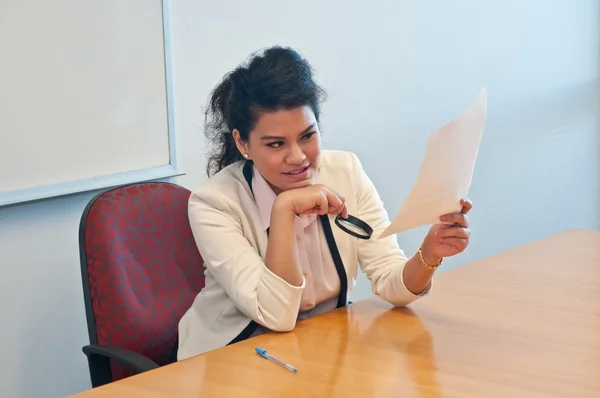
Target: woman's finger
[336,203]
[454,232]
[336,194]
[344,212]
[337,209]
[467,205]
[459,243]
[322,204]
[456,218]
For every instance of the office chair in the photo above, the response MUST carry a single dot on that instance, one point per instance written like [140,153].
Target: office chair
[141,270]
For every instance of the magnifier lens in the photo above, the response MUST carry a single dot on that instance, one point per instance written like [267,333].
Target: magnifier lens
[354,228]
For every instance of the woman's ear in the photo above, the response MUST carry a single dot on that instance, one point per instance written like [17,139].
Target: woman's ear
[241,145]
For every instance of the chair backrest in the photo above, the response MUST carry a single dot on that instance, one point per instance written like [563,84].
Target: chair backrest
[141,268]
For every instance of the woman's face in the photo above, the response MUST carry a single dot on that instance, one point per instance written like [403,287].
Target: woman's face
[285,147]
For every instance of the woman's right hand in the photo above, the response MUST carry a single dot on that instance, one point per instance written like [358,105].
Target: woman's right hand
[313,199]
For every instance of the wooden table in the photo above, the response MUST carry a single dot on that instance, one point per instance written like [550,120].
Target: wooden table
[523,323]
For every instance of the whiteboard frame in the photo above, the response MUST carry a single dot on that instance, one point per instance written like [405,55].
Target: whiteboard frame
[112,180]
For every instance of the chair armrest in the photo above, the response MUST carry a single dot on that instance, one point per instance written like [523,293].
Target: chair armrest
[99,359]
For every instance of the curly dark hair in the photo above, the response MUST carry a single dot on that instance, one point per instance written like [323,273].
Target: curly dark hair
[276,79]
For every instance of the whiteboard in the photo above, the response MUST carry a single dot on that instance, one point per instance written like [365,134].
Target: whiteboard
[85,96]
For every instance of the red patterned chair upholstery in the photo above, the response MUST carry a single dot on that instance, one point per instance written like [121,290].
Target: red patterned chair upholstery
[141,270]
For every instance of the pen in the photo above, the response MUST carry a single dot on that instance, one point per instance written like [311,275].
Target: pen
[263,353]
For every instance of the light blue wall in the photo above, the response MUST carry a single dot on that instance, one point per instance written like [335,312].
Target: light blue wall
[395,71]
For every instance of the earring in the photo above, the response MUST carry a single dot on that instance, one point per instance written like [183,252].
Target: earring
[245,156]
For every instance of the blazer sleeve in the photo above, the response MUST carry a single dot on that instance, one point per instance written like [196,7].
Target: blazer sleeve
[237,266]
[381,260]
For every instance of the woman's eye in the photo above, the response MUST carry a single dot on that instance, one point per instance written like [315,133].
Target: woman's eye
[308,136]
[275,144]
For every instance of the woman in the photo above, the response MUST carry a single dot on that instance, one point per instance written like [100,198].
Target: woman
[264,223]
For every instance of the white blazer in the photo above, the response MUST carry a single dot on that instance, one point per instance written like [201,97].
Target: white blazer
[241,292]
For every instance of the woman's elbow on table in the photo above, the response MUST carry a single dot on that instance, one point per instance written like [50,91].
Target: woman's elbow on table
[283,322]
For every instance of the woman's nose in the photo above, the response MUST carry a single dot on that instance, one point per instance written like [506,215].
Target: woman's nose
[296,155]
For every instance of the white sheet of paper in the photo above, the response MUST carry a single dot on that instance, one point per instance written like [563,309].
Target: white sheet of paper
[446,172]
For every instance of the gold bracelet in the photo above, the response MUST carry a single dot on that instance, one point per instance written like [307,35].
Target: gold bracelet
[430,267]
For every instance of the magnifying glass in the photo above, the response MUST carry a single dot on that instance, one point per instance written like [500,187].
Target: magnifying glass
[354,226]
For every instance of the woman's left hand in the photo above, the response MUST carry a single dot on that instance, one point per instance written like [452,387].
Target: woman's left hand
[445,240]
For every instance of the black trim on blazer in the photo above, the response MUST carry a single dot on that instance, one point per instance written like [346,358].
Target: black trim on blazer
[247,332]
[335,254]
[247,172]
[337,259]
[252,326]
